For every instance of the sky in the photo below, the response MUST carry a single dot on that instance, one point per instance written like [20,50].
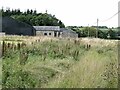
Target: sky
[72,12]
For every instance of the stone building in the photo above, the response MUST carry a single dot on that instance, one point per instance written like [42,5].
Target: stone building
[10,26]
[55,31]
[68,33]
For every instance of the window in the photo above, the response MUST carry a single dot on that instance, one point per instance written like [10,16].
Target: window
[49,33]
[45,34]
[55,34]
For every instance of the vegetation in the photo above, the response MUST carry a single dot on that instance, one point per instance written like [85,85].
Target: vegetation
[103,32]
[63,63]
[33,18]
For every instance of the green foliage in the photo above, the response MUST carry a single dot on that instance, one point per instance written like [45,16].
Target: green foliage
[59,63]
[76,54]
[33,18]
[54,50]
[86,31]
[112,34]
[9,54]
[14,62]
[19,79]
[103,32]
[100,68]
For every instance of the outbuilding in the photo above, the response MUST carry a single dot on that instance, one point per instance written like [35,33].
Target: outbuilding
[11,26]
[55,31]
[52,31]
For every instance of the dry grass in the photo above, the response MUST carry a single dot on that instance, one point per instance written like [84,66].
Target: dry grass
[92,69]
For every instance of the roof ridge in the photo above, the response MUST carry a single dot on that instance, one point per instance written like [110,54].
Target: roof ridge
[53,28]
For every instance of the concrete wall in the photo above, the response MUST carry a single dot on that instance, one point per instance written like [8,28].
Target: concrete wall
[58,34]
[41,33]
[2,34]
[63,34]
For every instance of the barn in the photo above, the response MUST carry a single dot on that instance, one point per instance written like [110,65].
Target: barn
[55,31]
[68,33]
[52,31]
[11,26]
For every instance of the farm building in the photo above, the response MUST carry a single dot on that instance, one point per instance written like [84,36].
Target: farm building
[68,33]
[11,26]
[55,31]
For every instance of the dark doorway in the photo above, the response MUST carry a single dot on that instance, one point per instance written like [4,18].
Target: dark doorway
[55,34]
[58,34]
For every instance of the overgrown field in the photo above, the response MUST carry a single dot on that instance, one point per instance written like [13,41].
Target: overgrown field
[61,63]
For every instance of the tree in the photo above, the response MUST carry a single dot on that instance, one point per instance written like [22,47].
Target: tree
[102,34]
[8,12]
[61,24]
[33,18]
[112,34]
[88,32]
[18,12]
[31,11]
[28,11]
[92,32]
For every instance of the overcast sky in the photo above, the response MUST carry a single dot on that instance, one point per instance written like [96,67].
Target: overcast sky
[72,12]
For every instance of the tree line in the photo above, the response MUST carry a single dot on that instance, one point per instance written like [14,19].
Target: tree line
[33,18]
[102,32]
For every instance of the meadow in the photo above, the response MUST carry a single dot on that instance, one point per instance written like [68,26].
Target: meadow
[42,62]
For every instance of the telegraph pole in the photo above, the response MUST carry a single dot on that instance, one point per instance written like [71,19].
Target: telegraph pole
[97,28]
[88,30]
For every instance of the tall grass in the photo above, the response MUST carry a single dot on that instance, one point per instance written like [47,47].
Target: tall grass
[15,62]
[60,63]
[94,70]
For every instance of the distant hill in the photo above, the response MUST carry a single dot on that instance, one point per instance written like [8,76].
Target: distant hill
[13,27]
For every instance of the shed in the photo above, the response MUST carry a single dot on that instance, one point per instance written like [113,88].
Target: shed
[13,27]
[68,33]
[53,31]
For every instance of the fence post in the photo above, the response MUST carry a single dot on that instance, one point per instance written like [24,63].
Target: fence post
[3,47]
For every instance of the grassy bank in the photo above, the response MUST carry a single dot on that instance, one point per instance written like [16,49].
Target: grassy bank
[94,70]
[61,63]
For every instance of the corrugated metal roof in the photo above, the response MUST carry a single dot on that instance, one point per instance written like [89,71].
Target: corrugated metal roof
[47,28]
